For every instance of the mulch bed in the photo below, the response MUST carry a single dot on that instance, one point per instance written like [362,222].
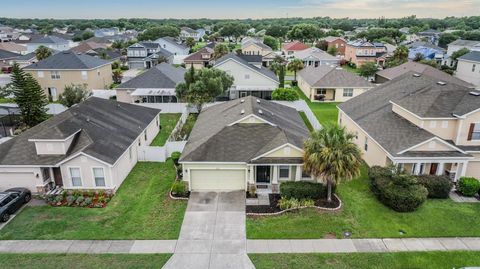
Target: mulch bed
[273,207]
[323,202]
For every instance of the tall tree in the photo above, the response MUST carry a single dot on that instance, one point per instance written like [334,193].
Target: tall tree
[271,41]
[368,69]
[73,94]
[294,66]
[156,32]
[305,32]
[29,97]
[332,156]
[190,42]
[219,50]
[400,56]
[332,51]
[278,66]
[42,52]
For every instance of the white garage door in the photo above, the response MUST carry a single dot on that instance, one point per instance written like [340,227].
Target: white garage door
[10,180]
[203,180]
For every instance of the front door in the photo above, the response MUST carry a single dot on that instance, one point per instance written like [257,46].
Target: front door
[57,176]
[433,168]
[263,174]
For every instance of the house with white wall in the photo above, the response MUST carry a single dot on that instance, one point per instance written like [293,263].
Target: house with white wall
[468,68]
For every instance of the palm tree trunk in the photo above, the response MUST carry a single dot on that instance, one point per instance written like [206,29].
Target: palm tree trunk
[295,73]
[329,190]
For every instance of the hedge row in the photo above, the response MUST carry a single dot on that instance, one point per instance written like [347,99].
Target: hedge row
[303,190]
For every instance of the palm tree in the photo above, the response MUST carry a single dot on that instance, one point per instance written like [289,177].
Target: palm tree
[331,155]
[295,65]
[42,52]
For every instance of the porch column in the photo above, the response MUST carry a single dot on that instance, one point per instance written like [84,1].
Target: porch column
[251,173]
[440,169]
[461,170]
[298,173]
[275,175]
[417,169]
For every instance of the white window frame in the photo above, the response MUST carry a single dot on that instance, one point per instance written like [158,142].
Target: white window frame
[55,75]
[280,167]
[95,178]
[348,92]
[476,130]
[84,75]
[445,124]
[247,76]
[40,74]
[433,124]
[71,177]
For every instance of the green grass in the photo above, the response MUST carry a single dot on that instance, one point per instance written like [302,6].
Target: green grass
[141,209]
[83,261]
[365,217]
[6,100]
[351,69]
[167,123]
[420,260]
[305,119]
[326,113]
[188,126]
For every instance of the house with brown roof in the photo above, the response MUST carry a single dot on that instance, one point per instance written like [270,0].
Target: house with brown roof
[200,59]
[418,123]
[288,49]
[331,84]
[360,52]
[13,47]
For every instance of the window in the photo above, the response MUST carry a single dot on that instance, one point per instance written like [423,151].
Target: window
[321,91]
[130,152]
[366,144]
[433,124]
[445,124]
[247,76]
[55,75]
[284,171]
[145,135]
[40,74]
[474,133]
[347,92]
[99,176]
[98,72]
[6,201]
[76,178]
[45,174]
[473,67]
[84,75]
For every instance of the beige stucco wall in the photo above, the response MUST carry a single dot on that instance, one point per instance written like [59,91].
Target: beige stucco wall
[124,96]
[251,119]
[20,177]
[433,146]
[86,165]
[375,154]
[253,49]
[473,168]
[239,71]
[286,151]
[194,64]
[98,78]
[464,127]
[356,92]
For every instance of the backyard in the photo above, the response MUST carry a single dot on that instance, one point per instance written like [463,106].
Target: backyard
[326,113]
[141,209]
[167,123]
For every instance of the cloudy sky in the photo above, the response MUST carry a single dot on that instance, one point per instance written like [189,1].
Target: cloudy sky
[236,9]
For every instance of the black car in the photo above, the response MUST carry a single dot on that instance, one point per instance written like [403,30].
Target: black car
[11,200]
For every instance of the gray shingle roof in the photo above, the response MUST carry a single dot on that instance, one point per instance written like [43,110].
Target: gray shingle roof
[391,73]
[328,76]
[372,110]
[172,41]
[48,40]
[473,56]
[262,70]
[163,76]
[467,43]
[68,60]
[104,130]
[212,139]
[317,54]
[5,54]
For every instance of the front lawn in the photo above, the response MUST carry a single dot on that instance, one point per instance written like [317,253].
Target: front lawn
[167,123]
[325,112]
[141,209]
[401,260]
[83,261]
[365,217]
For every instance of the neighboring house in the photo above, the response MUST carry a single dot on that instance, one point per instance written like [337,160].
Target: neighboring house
[186,32]
[360,52]
[394,72]
[157,85]
[200,59]
[13,47]
[171,45]
[251,78]
[105,32]
[457,45]
[418,123]
[288,49]
[427,53]
[86,47]
[91,146]
[51,42]
[66,68]
[430,35]
[245,142]
[25,60]
[255,48]
[7,56]
[316,57]
[146,55]
[331,84]
[338,43]
[468,68]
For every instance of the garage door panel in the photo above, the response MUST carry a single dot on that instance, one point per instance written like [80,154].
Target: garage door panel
[217,179]
[10,180]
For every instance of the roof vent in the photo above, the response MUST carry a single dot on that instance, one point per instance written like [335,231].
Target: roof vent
[258,100]
[242,101]
[88,119]
[242,112]
[260,111]
[441,83]
[416,75]
[475,93]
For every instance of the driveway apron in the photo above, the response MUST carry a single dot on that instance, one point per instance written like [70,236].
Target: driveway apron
[213,233]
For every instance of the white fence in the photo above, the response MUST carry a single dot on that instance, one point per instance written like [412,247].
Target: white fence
[160,154]
[167,107]
[301,105]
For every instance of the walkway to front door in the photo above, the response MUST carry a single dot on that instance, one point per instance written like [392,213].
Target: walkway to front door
[213,233]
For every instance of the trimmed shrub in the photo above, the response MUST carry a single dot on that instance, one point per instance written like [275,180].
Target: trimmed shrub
[438,187]
[179,188]
[294,203]
[282,94]
[79,200]
[468,186]
[70,200]
[176,156]
[303,190]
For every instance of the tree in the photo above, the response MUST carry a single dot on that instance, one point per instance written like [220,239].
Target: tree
[400,56]
[278,66]
[156,32]
[418,57]
[219,50]
[283,94]
[190,42]
[277,31]
[202,86]
[235,30]
[86,35]
[331,155]
[431,63]
[446,39]
[458,54]
[332,51]
[42,52]
[322,44]
[271,41]
[304,32]
[294,66]
[117,76]
[29,97]
[368,69]
[73,94]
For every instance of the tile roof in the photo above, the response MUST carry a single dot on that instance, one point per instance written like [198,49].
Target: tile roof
[104,129]
[473,56]
[328,76]
[161,76]
[295,45]
[68,60]
[214,139]
[242,60]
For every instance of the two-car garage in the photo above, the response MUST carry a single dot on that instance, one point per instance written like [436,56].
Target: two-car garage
[217,179]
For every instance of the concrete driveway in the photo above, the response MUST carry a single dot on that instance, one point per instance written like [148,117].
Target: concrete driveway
[213,233]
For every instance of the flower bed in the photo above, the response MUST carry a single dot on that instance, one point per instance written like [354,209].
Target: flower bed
[274,208]
[80,198]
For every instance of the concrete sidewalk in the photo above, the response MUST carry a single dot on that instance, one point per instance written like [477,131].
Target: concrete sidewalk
[253,246]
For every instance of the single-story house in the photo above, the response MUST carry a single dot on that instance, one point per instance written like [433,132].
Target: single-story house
[92,145]
[316,57]
[247,141]
[157,85]
[331,84]
[288,49]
